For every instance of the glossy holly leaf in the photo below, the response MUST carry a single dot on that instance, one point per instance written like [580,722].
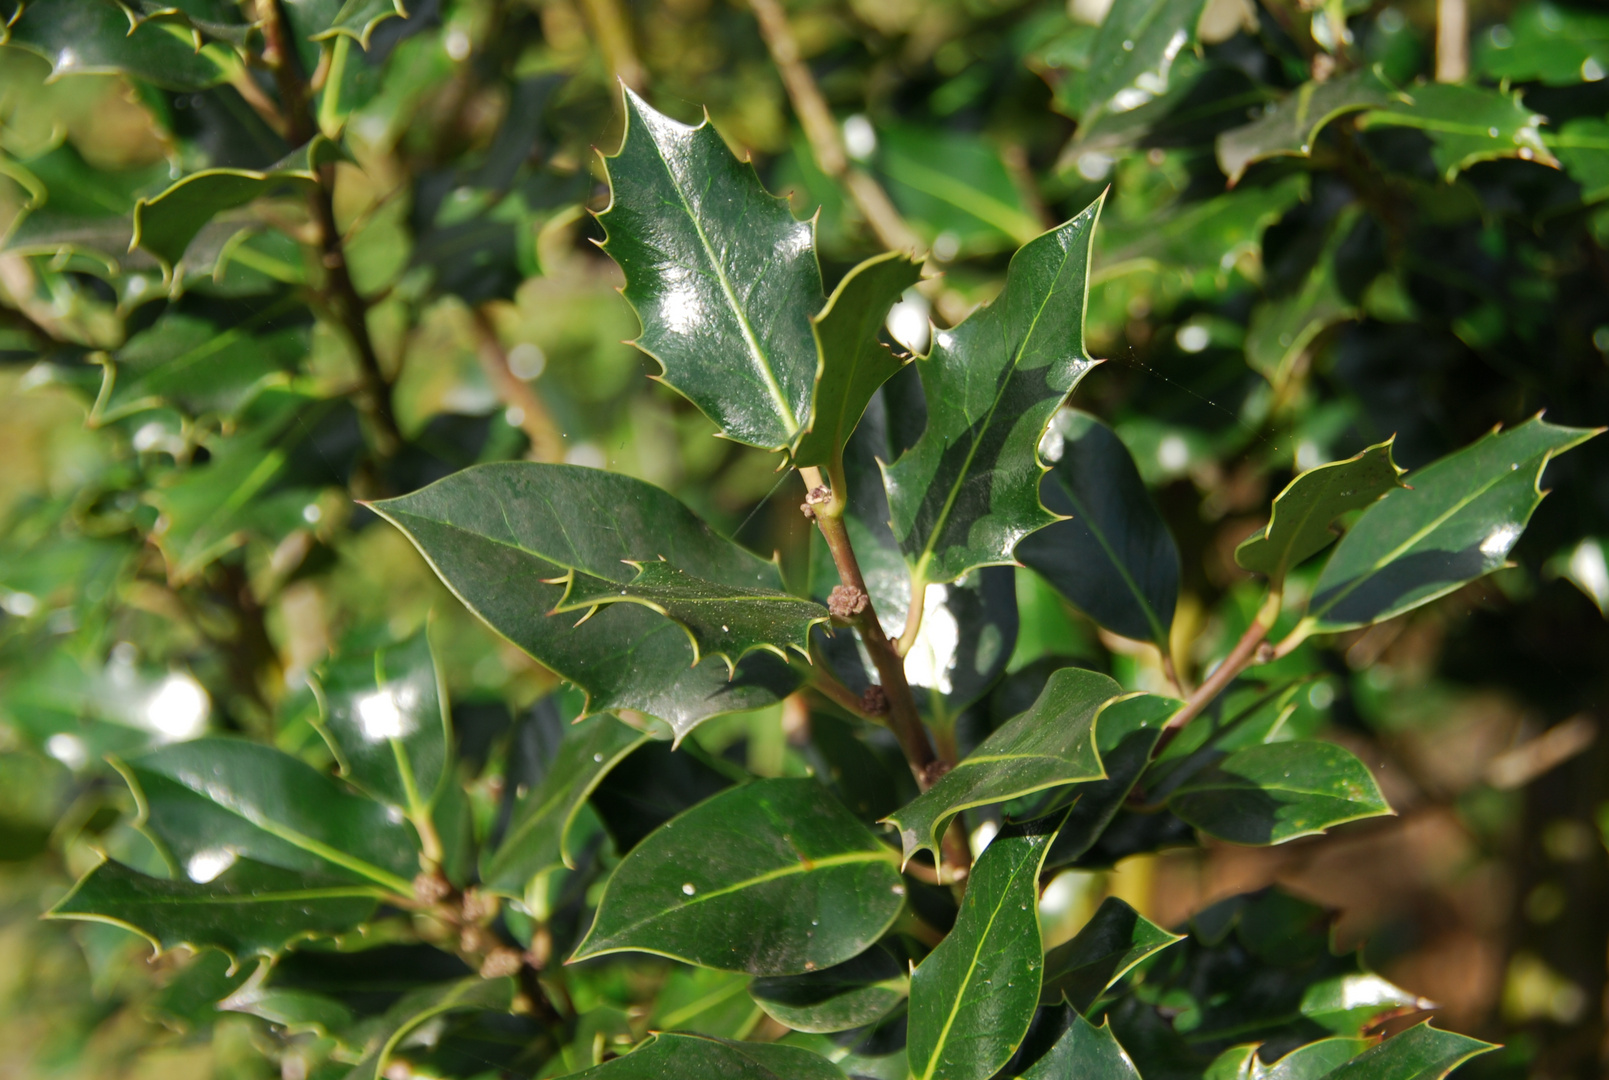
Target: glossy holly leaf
[505,536]
[249,909]
[774,877]
[955,189]
[1548,43]
[1346,1004]
[208,18]
[1455,521]
[729,621]
[1206,237]
[1582,147]
[860,991]
[1289,128]
[384,715]
[723,278]
[198,366]
[851,359]
[1115,939]
[209,802]
[421,1007]
[968,491]
[1112,555]
[293,1009]
[1132,55]
[670,1055]
[1466,124]
[1274,792]
[1300,522]
[1084,1050]
[974,995]
[1311,1062]
[355,19]
[1050,744]
[1284,327]
[538,834]
[1420,1053]
[98,37]
[71,207]
[165,224]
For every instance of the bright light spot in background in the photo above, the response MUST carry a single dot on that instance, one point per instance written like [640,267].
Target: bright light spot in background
[1308,456]
[946,246]
[907,322]
[1591,70]
[860,138]
[513,416]
[588,454]
[527,361]
[1052,444]
[457,44]
[1172,453]
[1066,903]
[384,713]
[932,655]
[1193,337]
[1093,165]
[1321,696]
[178,709]
[1590,571]
[67,749]
[982,835]
[205,865]
[1499,540]
[312,514]
[20,604]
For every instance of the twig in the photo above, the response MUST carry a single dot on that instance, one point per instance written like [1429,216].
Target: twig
[547,444]
[1452,40]
[1246,650]
[821,130]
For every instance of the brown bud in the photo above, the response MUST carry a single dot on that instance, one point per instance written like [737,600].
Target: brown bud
[933,773]
[478,907]
[501,961]
[819,495]
[808,511]
[846,602]
[431,888]
[874,701]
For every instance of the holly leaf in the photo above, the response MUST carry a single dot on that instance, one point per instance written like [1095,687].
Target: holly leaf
[1314,1061]
[851,360]
[953,184]
[1132,55]
[673,1055]
[1111,555]
[1420,1053]
[1275,792]
[1346,1004]
[1084,1050]
[505,537]
[1582,146]
[1050,744]
[1455,522]
[419,1008]
[100,37]
[357,19]
[729,621]
[250,909]
[384,715]
[774,877]
[1115,939]
[1547,43]
[1300,522]
[860,991]
[974,996]
[968,491]
[1289,128]
[1206,237]
[722,277]
[1466,124]
[1283,328]
[538,834]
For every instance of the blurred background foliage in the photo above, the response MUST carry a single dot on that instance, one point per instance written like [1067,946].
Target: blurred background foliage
[187,421]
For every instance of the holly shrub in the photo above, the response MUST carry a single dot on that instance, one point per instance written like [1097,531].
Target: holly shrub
[395,682]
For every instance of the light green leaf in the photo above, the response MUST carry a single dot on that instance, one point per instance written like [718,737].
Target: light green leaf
[467,995]
[1311,1062]
[1274,792]
[250,909]
[1347,1004]
[1420,1053]
[99,37]
[538,835]
[851,361]
[1289,128]
[505,536]
[1084,1050]
[1299,524]
[295,1010]
[974,996]
[1132,55]
[729,621]
[1050,744]
[1466,124]
[1112,555]
[1582,146]
[1115,939]
[1206,237]
[1455,521]
[954,185]
[774,878]
[723,278]
[678,1056]
[860,991]
[1546,42]
[1283,327]
[968,491]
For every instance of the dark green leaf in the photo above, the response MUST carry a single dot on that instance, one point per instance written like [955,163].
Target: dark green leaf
[1420,1053]
[855,993]
[1207,237]
[674,1057]
[89,37]
[355,19]
[1466,124]
[701,1001]
[503,536]
[1548,43]
[1132,54]
[538,835]
[1051,744]
[968,491]
[1115,939]
[1289,128]
[292,1009]
[1299,524]
[467,995]
[1283,327]
[1310,1062]
[1113,556]
[1084,1051]
[723,278]
[1582,146]
[974,996]
[729,621]
[1455,522]
[851,360]
[250,909]
[773,878]
[1275,792]
[384,715]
